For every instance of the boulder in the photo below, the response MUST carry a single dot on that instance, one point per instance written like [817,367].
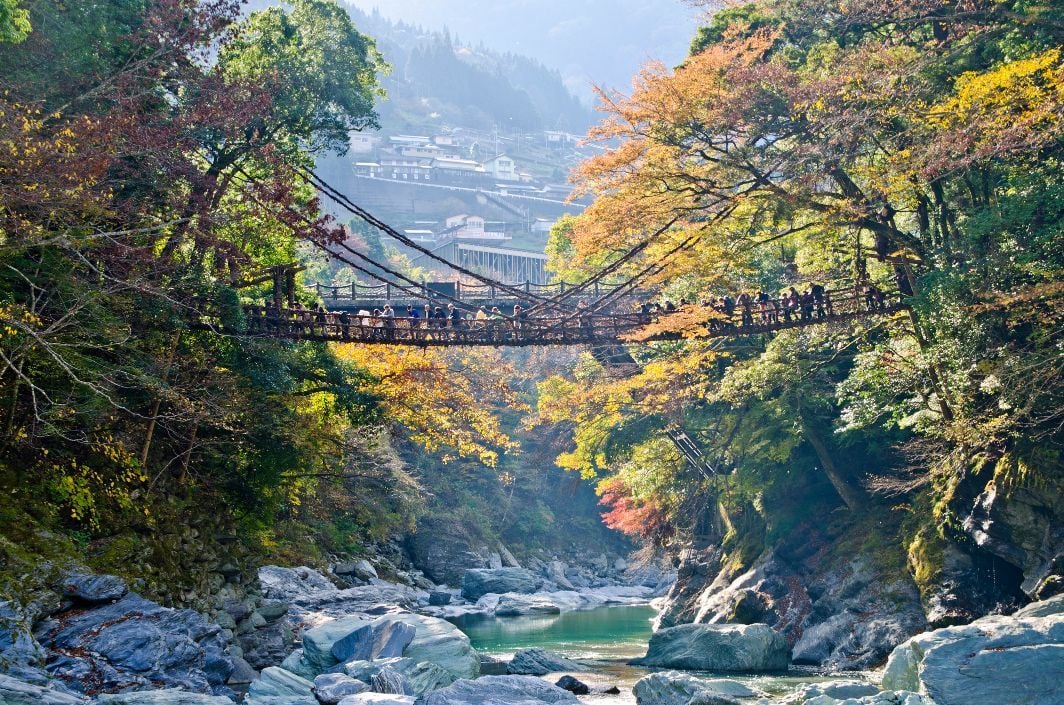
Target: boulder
[361,569]
[740,648]
[160,697]
[318,642]
[992,661]
[499,690]
[381,639]
[439,598]
[556,573]
[837,690]
[295,663]
[674,688]
[137,644]
[20,654]
[480,581]
[331,688]
[572,685]
[269,645]
[537,662]
[389,680]
[444,550]
[89,589]
[281,700]
[888,697]
[423,676]
[520,605]
[287,584]
[274,681]
[16,692]
[377,699]
[439,642]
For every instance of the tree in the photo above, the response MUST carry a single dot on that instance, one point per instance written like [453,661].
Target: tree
[14,21]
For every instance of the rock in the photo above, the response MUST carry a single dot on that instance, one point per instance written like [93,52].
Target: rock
[1046,608]
[444,550]
[136,644]
[556,572]
[537,662]
[508,558]
[674,688]
[519,605]
[620,565]
[480,581]
[703,647]
[90,589]
[423,676]
[439,642]
[389,680]
[361,569]
[286,584]
[499,690]
[160,697]
[837,690]
[295,663]
[573,685]
[331,688]
[390,638]
[16,692]
[377,699]
[274,681]
[612,690]
[268,646]
[993,661]
[242,673]
[600,562]
[20,654]
[318,642]
[273,610]
[438,598]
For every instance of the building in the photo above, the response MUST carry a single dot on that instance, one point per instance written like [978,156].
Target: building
[468,227]
[361,143]
[502,168]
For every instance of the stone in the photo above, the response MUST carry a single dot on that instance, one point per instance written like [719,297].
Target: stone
[276,681]
[538,662]
[378,699]
[997,660]
[438,598]
[319,641]
[675,688]
[90,589]
[136,643]
[360,569]
[389,680]
[837,690]
[556,573]
[286,584]
[273,610]
[20,654]
[444,550]
[356,646]
[295,663]
[737,648]
[281,700]
[480,581]
[1045,608]
[391,637]
[331,688]
[440,642]
[242,673]
[423,676]
[17,692]
[499,690]
[160,697]
[573,685]
[520,605]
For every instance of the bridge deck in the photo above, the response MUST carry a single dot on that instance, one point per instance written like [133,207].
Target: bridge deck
[583,330]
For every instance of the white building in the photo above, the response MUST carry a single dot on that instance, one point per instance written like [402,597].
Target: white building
[469,227]
[502,167]
[361,143]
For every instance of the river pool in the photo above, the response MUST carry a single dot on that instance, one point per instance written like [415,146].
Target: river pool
[605,638]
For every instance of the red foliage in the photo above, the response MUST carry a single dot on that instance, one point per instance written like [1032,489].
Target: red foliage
[645,519]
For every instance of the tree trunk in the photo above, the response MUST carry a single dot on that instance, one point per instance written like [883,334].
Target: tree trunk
[158,401]
[851,494]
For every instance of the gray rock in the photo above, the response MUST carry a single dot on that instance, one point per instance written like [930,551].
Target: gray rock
[137,644]
[423,676]
[439,642]
[382,639]
[480,581]
[319,641]
[556,572]
[499,690]
[520,605]
[703,647]
[287,584]
[674,688]
[273,609]
[389,680]
[16,692]
[93,589]
[444,550]
[331,688]
[295,663]
[1046,608]
[378,699]
[992,661]
[161,697]
[439,598]
[242,673]
[837,690]
[573,685]
[361,569]
[537,662]
[281,700]
[274,681]
[20,654]
[267,646]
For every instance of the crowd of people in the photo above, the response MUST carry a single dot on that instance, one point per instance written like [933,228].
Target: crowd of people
[748,311]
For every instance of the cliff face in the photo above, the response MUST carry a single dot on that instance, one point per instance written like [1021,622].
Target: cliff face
[844,593]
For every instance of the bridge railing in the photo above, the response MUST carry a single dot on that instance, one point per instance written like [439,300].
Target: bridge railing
[464,291]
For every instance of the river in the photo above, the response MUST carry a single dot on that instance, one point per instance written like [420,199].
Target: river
[606,638]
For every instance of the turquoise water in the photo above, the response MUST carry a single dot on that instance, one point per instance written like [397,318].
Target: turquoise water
[610,633]
[606,639]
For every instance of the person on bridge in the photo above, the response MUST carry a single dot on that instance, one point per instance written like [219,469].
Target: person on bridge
[746,315]
[818,299]
[807,305]
[481,319]
[454,316]
[495,322]
[345,324]
[388,314]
